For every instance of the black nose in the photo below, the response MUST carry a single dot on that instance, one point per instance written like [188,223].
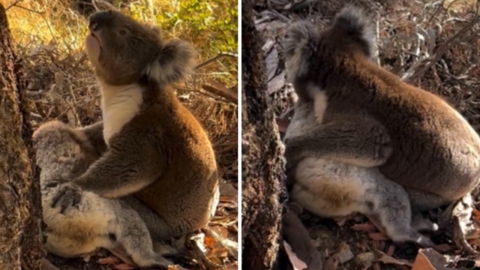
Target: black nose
[99,19]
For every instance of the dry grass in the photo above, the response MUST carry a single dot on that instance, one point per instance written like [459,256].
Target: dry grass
[48,38]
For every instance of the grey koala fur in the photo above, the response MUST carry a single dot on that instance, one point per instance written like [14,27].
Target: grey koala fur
[343,177]
[119,225]
[435,153]
[156,149]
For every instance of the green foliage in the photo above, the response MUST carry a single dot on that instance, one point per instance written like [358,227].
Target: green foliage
[210,25]
[213,23]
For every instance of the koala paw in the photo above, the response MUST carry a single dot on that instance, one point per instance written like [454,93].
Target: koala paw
[67,195]
[383,149]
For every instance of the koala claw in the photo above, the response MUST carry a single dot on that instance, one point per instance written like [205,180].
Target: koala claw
[68,195]
[382,153]
[383,148]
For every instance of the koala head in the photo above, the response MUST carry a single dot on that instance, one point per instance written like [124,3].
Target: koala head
[312,54]
[123,51]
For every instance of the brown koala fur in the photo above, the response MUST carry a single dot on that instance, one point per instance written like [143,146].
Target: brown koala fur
[436,153]
[157,149]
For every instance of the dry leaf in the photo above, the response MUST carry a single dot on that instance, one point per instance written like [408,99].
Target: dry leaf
[209,242]
[364,227]
[343,253]
[331,263]
[422,263]
[386,259]
[294,260]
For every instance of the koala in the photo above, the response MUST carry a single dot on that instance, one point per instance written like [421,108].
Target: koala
[430,150]
[118,225]
[343,176]
[155,148]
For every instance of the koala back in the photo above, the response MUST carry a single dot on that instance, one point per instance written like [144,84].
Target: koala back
[434,148]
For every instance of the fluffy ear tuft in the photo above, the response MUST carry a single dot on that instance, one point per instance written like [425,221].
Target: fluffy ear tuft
[352,22]
[301,40]
[173,64]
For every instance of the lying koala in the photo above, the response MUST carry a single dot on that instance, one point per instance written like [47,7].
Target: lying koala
[342,182]
[119,225]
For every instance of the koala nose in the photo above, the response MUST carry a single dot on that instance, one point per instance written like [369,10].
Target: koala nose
[99,19]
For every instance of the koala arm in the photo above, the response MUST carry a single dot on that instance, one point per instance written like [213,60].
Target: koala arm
[122,170]
[352,142]
[119,172]
[94,134]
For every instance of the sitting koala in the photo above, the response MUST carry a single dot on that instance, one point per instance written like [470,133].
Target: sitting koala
[363,140]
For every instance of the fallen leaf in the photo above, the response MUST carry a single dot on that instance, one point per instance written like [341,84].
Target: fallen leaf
[294,260]
[364,227]
[272,64]
[220,230]
[343,253]
[124,266]
[209,242]
[386,259]
[429,259]
[109,260]
[364,260]
[331,263]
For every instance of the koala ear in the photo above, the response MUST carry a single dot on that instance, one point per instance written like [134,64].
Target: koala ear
[301,40]
[173,64]
[352,23]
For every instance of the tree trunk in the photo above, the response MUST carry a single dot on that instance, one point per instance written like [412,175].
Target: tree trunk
[262,170]
[20,208]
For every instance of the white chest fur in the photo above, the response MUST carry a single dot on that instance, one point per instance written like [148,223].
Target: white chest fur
[320,104]
[119,105]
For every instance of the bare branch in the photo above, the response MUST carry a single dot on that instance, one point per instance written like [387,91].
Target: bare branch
[218,56]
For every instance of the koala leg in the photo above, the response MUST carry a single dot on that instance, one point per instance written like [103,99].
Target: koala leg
[159,229]
[422,201]
[354,140]
[329,188]
[420,223]
[131,240]
[94,134]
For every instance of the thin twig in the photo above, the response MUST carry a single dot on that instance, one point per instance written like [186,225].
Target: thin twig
[225,93]
[27,9]
[14,4]
[220,55]
[444,48]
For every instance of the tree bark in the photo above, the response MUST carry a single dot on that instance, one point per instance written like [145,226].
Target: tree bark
[20,208]
[262,165]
